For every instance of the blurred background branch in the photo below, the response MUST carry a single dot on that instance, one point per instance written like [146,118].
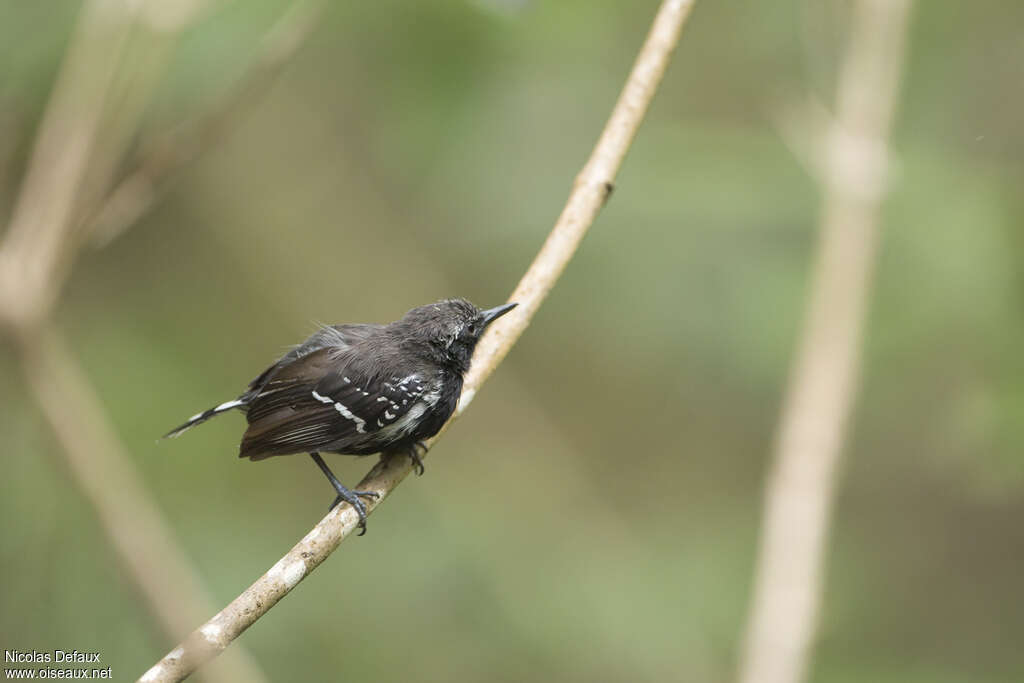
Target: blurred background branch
[37,245]
[416,151]
[800,490]
[163,157]
[591,190]
[104,472]
[93,114]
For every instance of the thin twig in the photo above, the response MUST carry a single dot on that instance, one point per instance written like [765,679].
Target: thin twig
[801,486]
[589,193]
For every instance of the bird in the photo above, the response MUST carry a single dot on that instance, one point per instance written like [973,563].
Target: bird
[359,389]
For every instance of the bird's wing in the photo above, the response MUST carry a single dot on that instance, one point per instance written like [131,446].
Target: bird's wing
[314,403]
[335,337]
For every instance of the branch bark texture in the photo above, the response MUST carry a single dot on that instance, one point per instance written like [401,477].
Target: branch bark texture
[801,485]
[589,193]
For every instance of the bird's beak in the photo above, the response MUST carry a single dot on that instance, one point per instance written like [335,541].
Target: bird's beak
[492,314]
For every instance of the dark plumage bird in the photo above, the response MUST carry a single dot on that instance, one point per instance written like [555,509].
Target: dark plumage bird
[361,389]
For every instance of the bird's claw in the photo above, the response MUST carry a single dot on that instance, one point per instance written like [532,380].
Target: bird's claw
[352,498]
[416,457]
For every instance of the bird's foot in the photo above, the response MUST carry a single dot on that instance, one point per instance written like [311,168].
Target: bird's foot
[345,495]
[416,457]
[353,498]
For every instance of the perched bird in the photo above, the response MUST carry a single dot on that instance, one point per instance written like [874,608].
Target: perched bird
[361,389]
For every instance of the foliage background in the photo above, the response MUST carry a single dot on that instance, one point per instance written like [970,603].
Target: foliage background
[595,517]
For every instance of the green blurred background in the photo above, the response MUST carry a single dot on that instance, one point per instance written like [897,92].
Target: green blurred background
[595,515]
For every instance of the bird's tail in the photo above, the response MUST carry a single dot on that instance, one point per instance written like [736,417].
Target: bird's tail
[203,417]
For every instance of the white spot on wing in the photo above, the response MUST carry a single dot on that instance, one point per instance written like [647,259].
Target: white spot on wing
[345,412]
[406,423]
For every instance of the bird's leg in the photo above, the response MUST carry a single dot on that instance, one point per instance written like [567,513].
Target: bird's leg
[415,456]
[344,494]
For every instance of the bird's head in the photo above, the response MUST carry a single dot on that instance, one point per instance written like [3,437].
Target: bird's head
[447,331]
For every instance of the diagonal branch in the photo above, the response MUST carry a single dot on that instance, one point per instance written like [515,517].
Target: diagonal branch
[589,193]
[802,483]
